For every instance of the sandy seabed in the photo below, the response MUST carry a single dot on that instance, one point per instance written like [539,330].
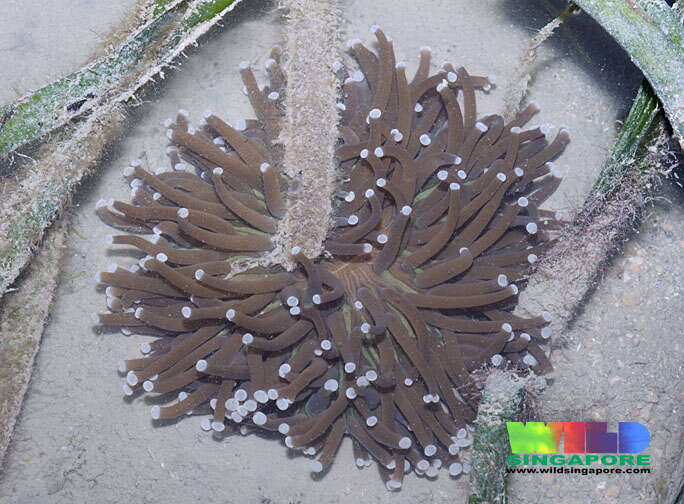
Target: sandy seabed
[79,440]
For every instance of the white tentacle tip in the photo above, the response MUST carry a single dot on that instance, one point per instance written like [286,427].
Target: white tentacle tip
[331,385]
[259,418]
[481,126]
[530,360]
[455,469]
[132,378]
[155,412]
[393,485]
[284,369]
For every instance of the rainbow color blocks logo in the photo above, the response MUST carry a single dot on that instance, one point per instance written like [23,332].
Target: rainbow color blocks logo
[532,442]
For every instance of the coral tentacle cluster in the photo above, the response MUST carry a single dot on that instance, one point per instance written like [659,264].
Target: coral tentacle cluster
[381,338]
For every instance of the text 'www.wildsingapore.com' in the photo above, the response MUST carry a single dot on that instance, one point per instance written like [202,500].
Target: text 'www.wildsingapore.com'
[536,448]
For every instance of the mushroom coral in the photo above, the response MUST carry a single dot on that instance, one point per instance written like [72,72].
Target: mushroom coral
[383,337]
